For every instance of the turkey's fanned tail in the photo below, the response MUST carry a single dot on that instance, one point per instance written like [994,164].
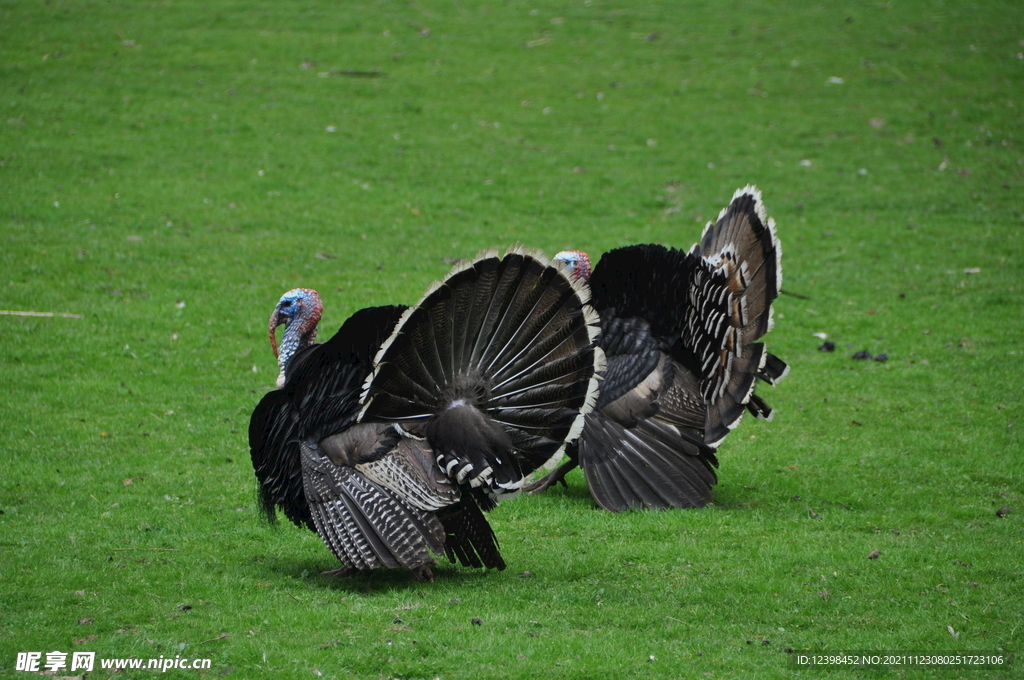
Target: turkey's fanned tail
[735,274]
[496,365]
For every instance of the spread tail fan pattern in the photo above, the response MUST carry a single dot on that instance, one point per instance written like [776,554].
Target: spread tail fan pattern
[736,275]
[496,366]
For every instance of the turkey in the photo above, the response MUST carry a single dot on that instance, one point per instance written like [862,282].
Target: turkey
[390,439]
[680,332]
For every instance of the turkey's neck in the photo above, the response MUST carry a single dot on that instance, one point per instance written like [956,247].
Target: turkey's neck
[299,334]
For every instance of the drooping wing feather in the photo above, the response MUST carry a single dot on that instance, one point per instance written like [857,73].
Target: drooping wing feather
[644,447]
[366,526]
[649,465]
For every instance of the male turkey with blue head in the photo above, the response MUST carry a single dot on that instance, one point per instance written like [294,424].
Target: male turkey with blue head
[681,335]
[299,311]
[389,439]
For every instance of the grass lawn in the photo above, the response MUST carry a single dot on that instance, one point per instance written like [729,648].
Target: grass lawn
[168,169]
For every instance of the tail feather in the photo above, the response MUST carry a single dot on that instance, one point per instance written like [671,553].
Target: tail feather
[736,275]
[540,325]
[536,396]
[565,372]
[494,360]
[473,304]
[549,345]
[411,383]
[516,302]
[427,351]
[774,369]
[759,408]
[744,234]
[726,408]
[502,290]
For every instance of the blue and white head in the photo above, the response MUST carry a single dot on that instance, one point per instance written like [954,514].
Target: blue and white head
[577,260]
[299,310]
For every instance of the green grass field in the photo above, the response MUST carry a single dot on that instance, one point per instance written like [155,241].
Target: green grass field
[168,169]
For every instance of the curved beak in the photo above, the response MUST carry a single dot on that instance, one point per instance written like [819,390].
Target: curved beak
[276,319]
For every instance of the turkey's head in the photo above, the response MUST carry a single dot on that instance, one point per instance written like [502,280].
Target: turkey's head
[299,311]
[577,261]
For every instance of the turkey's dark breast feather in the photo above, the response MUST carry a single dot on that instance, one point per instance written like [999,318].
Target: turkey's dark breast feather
[648,281]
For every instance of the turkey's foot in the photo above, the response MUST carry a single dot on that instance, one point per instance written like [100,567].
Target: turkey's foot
[555,476]
[423,573]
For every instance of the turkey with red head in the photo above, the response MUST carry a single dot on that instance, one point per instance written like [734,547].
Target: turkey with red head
[681,336]
[390,438]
